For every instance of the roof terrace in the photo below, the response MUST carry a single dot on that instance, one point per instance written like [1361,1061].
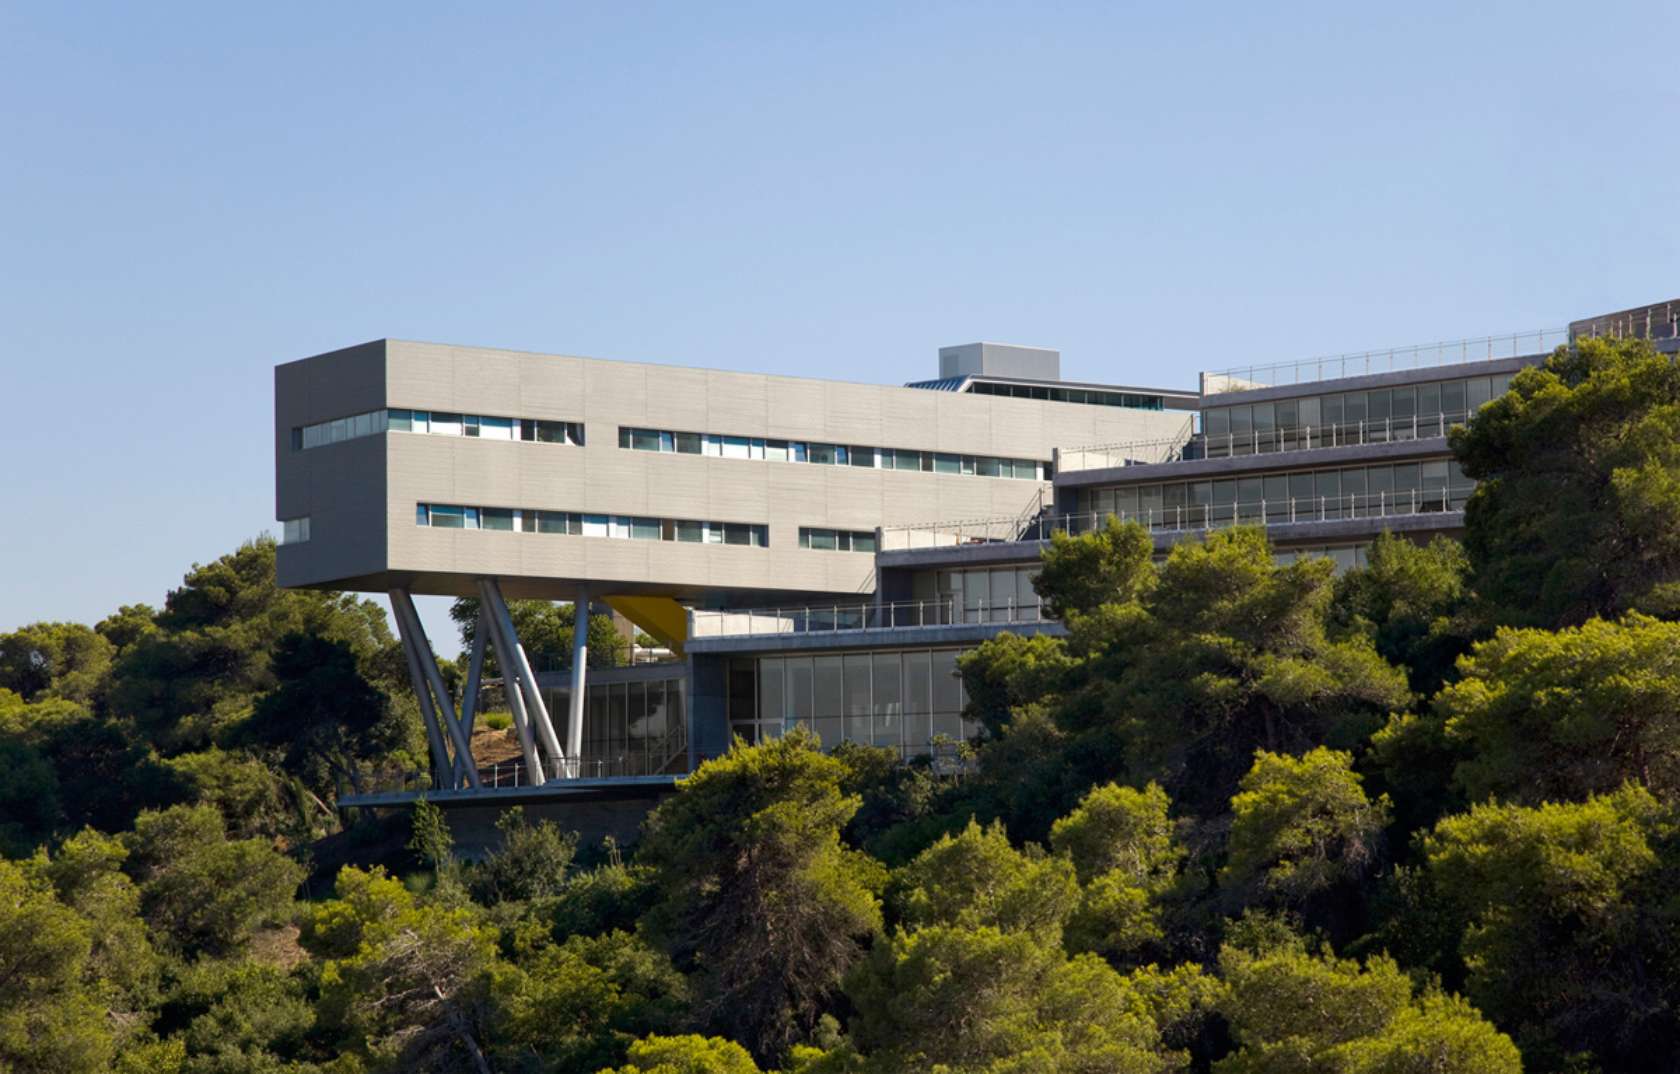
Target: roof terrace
[1390,360]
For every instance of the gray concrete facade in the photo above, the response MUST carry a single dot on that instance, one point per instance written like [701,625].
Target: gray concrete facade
[360,495]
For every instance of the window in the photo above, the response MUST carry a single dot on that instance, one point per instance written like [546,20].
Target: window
[496,518]
[741,447]
[294,530]
[826,540]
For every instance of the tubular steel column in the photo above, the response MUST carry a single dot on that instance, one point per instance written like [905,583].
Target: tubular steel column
[580,661]
[463,765]
[516,661]
[510,688]
[440,753]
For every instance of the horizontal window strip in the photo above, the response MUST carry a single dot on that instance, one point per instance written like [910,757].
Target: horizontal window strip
[578,524]
[823,454]
[438,423]
[1087,396]
[825,540]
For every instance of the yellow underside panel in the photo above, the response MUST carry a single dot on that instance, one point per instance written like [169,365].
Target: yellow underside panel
[662,618]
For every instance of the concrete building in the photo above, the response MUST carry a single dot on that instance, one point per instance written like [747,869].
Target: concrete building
[813,551]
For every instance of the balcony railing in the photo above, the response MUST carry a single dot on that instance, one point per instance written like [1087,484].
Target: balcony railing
[1260,441]
[1186,517]
[1422,356]
[860,615]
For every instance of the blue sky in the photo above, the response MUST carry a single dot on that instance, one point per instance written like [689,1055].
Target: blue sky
[190,194]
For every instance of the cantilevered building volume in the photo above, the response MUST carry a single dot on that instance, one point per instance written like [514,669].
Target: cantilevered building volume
[813,552]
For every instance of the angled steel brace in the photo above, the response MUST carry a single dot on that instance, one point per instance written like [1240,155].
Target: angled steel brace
[463,767]
[441,769]
[469,696]
[516,671]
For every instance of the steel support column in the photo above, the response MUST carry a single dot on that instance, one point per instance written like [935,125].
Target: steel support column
[409,619]
[515,695]
[580,664]
[441,769]
[516,665]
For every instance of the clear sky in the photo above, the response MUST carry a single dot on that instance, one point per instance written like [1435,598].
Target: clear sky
[190,194]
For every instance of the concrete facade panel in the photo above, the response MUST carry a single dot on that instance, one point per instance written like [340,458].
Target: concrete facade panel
[394,471]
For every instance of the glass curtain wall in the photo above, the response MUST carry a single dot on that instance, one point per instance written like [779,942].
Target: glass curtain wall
[629,728]
[1376,416]
[1283,496]
[910,701]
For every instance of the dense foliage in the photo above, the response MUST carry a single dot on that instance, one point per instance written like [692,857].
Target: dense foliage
[1241,817]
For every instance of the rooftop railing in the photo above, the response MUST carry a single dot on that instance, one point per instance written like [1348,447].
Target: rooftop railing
[1189,517]
[860,615]
[1421,356]
[1260,441]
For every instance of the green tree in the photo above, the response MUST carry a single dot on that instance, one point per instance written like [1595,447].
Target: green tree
[967,1000]
[892,792]
[687,1055]
[1007,672]
[50,1020]
[85,874]
[1576,511]
[325,720]
[429,837]
[545,632]
[1228,652]
[976,878]
[200,891]
[198,674]
[1120,841]
[757,893]
[102,772]
[1113,565]
[29,799]
[580,1004]
[127,625]
[1540,716]
[1302,826]
[55,660]
[241,1016]
[531,863]
[1412,601]
[1292,1011]
[250,797]
[608,897]
[404,985]
[1567,924]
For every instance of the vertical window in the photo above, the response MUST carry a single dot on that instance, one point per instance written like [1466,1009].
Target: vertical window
[771,703]
[888,703]
[827,691]
[858,677]
[801,681]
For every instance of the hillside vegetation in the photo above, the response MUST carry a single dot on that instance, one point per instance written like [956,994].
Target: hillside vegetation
[1243,818]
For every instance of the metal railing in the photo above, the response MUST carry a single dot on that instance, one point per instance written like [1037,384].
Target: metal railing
[1261,441]
[1420,356]
[835,618]
[1188,517]
[515,774]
